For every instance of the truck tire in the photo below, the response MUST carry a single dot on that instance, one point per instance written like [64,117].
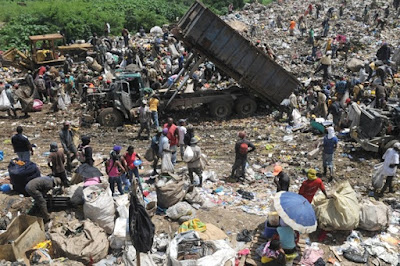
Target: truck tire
[220,109]
[246,106]
[109,117]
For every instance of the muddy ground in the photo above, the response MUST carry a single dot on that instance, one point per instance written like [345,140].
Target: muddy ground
[217,141]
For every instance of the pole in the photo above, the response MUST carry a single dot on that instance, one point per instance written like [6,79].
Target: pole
[137,258]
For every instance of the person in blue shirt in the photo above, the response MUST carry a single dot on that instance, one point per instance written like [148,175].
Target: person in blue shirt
[287,238]
[329,145]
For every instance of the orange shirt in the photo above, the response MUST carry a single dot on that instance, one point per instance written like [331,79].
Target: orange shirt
[292,25]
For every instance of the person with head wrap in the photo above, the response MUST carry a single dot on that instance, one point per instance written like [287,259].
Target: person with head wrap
[242,148]
[85,152]
[390,163]
[114,169]
[56,162]
[311,186]
[329,144]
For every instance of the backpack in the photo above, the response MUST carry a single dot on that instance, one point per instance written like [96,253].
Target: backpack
[244,148]
[81,154]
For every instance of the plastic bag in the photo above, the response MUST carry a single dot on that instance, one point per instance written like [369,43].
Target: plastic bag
[149,155]
[118,238]
[223,253]
[166,163]
[342,212]
[203,161]
[188,154]
[374,215]
[67,99]
[60,103]
[37,105]
[99,206]
[377,176]
[5,103]
[181,211]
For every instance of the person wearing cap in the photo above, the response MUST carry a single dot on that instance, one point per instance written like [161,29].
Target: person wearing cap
[329,146]
[241,156]
[67,142]
[56,162]
[155,145]
[311,185]
[22,146]
[390,163]
[128,161]
[37,188]
[182,132]
[194,166]
[282,180]
[144,119]
[173,136]
[115,169]
[85,152]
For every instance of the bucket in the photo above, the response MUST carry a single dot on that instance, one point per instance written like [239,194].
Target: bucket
[273,218]
[269,231]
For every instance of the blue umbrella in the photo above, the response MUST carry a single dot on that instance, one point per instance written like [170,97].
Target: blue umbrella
[295,211]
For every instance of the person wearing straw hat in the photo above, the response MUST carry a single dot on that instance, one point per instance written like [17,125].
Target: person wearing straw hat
[310,186]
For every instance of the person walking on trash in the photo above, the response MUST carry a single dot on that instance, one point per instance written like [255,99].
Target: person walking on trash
[56,162]
[115,169]
[194,165]
[22,146]
[67,142]
[329,145]
[242,148]
[310,186]
[390,163]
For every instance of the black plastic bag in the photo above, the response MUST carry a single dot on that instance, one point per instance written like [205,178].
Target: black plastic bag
[141,229]
[20,175]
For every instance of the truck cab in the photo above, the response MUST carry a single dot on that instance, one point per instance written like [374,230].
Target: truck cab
[126,94]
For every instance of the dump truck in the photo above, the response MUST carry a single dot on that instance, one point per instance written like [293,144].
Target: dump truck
[259,78]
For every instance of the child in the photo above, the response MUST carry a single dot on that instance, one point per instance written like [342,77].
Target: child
[273,254]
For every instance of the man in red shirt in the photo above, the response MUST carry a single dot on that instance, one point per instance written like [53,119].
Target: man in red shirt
[310,186]
[173,136]
[130,168]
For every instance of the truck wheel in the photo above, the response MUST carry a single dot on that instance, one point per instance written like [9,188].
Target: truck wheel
[246,107]
[110,117]
[220,109]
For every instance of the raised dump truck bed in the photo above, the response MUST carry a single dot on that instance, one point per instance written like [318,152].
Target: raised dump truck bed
[209,35]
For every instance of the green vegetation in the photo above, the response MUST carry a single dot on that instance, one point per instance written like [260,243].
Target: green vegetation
[78,19]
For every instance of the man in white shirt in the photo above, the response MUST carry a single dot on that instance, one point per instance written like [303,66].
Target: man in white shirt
[391,161]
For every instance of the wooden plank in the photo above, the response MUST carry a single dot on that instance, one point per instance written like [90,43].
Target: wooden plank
[336,254]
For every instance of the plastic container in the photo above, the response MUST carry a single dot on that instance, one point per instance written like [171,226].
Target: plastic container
[273,218]
[1,156]
[269,230]
[137,163]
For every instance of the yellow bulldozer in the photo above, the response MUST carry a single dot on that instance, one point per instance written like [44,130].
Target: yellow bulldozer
[47,49]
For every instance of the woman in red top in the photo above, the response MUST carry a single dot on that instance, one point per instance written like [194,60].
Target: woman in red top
[173,136]
[311,186]
[130,167]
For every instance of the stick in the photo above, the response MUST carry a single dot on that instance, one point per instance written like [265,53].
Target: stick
[138,259]
[335,253]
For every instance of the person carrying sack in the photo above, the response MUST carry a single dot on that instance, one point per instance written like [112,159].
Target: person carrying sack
[194,165]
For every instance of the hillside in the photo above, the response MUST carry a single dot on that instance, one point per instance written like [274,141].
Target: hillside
[79,19]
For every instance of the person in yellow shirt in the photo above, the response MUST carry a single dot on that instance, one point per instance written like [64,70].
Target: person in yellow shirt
[153,106]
